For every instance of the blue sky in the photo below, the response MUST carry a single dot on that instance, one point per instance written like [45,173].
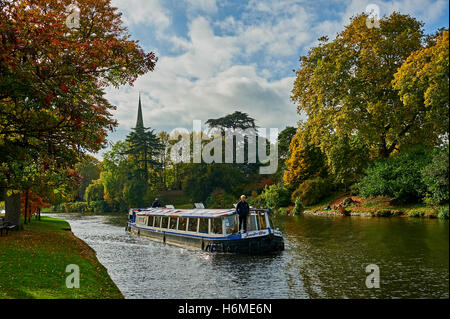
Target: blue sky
[219,56]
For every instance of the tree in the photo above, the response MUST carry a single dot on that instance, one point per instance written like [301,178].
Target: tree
[236,120]
[284,141]
[422,82]
[306,161]
[144,149]
[243,127]
[116,175]
[95,191]
[345,86]
[52,83]
[89,170]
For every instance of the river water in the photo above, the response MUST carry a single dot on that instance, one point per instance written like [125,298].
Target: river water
[325,257]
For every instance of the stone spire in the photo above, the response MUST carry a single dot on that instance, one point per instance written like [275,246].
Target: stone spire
[140,119]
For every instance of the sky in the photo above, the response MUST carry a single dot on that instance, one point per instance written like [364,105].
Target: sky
[220,56]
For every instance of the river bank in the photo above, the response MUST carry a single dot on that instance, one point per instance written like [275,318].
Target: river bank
[33,264]
[347,205]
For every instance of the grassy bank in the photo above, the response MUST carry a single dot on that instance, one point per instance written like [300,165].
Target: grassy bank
[33,264]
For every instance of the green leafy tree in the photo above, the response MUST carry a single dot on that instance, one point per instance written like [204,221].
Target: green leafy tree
[95,191]
[344,87]
[89,170]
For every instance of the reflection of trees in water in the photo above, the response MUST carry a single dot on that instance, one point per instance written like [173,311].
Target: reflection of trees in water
[328,256]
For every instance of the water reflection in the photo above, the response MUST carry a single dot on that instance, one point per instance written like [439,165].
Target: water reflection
[324,258]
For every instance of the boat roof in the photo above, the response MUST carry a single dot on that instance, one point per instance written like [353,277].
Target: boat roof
[195,212]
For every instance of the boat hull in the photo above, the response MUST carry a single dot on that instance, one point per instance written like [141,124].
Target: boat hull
[264,242]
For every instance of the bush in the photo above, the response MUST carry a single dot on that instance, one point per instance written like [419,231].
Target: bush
[312,191]
[416,213]
[220,199]
[282,211]
[383,213]
[99,206]
[298,207]
[436,178]
[257,201]
[398,176]
[354,190]
[276,196]
[443,212]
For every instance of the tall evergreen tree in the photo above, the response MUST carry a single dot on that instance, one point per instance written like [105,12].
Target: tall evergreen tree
[144,147]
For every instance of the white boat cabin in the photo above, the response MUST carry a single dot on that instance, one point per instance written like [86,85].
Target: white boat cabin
[211,222]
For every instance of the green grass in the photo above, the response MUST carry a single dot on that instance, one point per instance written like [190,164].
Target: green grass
[33,264]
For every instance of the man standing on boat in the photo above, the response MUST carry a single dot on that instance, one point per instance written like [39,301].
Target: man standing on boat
[242,209]
[156,203]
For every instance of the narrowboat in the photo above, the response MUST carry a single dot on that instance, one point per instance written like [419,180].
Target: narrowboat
[212,230]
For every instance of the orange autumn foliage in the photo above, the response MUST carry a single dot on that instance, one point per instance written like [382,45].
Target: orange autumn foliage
[35,203]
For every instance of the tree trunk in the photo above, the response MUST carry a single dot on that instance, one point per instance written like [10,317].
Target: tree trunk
[12,207]
[25,211]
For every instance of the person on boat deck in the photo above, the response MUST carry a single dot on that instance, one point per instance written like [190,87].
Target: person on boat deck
[156,203]
[242,209]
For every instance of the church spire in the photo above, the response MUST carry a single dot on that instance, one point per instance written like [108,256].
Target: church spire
[140,119]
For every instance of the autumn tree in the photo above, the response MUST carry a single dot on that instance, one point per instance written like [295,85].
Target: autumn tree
[306,161]
[345,86]
[422,83]
[53,78]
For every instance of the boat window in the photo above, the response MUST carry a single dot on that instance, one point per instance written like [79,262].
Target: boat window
[141,220]
[165,222]
[216,226]
[203,228]
[173,223]
[182,222]
[157,221]
[192,226]
[252,222]
[262,221]
[150,220]
[231,224]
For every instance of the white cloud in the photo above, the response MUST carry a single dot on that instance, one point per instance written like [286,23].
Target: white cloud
[209,79]
[143,12]
[204,83]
